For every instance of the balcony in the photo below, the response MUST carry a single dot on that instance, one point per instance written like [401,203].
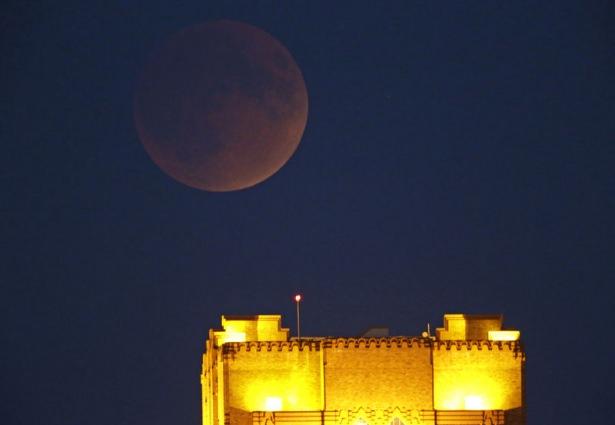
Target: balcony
[411,417]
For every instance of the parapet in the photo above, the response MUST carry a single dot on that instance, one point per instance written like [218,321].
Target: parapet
[262,327]
[474,327]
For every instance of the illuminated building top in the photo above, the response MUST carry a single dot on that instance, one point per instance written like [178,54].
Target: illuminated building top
[470,372]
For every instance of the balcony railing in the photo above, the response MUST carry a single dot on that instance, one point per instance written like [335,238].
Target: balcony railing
[422,417]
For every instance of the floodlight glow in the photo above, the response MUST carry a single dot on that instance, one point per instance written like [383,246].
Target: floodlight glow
[273,404]
[504,335]
[234,337]
[474,402]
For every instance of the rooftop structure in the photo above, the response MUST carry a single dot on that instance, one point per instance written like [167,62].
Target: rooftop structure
[470,372]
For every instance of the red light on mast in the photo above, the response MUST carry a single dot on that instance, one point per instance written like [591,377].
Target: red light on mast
[297,301]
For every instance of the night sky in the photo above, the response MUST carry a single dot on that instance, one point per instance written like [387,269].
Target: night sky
[458,157]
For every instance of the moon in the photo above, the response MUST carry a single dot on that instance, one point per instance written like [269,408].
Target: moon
[221,106]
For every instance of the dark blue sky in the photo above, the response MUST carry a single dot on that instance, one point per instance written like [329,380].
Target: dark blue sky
[458,157]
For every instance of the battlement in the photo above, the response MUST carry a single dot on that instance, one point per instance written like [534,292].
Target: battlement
[514,346]
[236,347]
[316,344]
[262,327]
[268,329]
[385,342]
[475,327]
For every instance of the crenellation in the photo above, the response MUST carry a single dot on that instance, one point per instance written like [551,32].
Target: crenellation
[233,347]
[478,345]
[372,342]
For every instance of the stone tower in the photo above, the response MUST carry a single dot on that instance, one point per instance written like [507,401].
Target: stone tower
[471,372]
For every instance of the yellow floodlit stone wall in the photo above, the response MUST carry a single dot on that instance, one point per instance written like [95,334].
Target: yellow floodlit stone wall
[274,376]
[477,375]
[378,373]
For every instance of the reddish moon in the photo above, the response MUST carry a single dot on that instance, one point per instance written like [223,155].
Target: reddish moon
[221,106]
